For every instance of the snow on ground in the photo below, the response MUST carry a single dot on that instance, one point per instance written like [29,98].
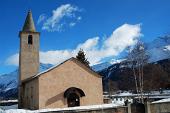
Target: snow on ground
[92,107]
[1,110]
[18,111]
[161,101]
[118,102]
[121,101]
[9,107]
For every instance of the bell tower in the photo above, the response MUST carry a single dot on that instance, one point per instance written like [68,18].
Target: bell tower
[28,55]
[29,49]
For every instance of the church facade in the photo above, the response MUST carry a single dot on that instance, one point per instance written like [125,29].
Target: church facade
[68,84]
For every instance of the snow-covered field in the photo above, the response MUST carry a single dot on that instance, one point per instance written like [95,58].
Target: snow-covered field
[121,101]
[9,107]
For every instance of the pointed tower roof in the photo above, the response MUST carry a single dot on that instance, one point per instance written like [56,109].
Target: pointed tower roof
[29,23]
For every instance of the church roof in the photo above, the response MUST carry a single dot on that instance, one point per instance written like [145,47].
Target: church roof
[29,23]
[70,59]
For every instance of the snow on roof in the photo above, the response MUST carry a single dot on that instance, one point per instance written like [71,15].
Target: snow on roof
[6,101]
[152,94]
[125,94]
[92,107]
[161,97]
[161,101]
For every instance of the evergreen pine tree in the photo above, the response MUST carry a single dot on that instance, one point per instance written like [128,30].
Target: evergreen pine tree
[81,57]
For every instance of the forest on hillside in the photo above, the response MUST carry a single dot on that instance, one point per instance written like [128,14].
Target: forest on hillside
[156,76]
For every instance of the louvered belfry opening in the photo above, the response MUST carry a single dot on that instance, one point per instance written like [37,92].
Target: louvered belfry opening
[30,40]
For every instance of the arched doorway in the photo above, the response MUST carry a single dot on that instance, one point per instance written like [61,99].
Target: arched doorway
[73,100]
[73,96]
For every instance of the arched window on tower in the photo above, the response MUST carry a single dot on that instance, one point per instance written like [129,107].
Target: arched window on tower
[30,39]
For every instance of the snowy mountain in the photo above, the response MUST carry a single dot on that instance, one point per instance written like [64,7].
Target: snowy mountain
[101,66]
[156,74]
[8,85]
[44,67]
[9,82]
[159,49]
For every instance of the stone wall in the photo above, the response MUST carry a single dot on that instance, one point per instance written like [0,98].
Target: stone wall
[107,110]
[31,95]
[158,107]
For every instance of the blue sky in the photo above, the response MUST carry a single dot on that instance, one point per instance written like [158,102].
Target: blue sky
[102,28]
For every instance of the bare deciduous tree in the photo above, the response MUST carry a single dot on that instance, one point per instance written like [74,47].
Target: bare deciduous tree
[137,58]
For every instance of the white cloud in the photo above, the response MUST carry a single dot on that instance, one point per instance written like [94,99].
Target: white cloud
[89,44]
[58,56]
[72,24]
[79,18]
[56,21]
[13,60]
[124,36]
[41,18]
[55,57]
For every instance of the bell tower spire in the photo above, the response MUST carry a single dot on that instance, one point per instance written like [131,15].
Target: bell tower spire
[29,23]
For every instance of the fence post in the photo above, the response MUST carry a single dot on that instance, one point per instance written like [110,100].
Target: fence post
[129,107]
[148,107]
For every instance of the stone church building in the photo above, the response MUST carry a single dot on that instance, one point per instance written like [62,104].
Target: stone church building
[68,84]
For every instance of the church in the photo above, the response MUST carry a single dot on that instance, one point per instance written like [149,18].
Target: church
[68,84]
